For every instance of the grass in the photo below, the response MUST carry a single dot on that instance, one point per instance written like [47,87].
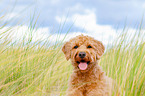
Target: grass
[125,63]
[30,69]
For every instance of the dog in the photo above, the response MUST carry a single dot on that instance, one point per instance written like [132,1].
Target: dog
[87,78]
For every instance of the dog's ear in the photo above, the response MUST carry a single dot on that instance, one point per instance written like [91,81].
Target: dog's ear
[99,48]
[66,50]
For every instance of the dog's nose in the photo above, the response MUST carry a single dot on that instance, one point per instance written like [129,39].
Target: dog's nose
[82,54]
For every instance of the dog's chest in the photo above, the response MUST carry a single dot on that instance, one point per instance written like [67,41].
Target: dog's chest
[88,82]
[90,85]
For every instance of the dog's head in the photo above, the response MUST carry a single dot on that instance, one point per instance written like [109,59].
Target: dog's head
[83,51]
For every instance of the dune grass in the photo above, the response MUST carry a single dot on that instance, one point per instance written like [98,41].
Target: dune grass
[35,70]
[32,69]
[125,63]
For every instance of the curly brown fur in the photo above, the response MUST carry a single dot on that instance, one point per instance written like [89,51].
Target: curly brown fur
[88,80]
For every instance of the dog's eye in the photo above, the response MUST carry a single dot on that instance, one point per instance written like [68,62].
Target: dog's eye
[89,46]
[75,47]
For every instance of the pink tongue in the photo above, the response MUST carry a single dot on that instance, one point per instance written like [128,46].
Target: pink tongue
[83,66]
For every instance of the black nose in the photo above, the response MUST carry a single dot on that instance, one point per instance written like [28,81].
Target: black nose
[82,54]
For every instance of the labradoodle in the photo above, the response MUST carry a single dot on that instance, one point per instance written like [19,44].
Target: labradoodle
[87,79]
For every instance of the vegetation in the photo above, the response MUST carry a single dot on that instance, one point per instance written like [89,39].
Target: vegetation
[36,69]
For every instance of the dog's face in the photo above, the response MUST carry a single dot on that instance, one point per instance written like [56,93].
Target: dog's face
[83,51]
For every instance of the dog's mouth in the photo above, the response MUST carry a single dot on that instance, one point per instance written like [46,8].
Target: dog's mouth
[83,65]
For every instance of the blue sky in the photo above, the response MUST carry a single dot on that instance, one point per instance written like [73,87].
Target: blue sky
[98,18]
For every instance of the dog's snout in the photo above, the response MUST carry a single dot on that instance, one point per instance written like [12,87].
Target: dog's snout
[82,54]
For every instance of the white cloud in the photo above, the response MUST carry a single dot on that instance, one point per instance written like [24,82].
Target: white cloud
[61,19]
[64,37]
[88,22]
[143,5]
[19,33]
[10,16]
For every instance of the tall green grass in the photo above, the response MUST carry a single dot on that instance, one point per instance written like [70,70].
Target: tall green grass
[125,63]
[34,69]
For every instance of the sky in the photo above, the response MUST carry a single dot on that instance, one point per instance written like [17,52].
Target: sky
[101,19]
